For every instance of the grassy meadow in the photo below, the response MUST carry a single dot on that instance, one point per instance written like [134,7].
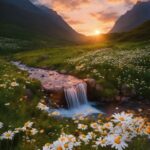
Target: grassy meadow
[111,64]
[24,122]
[32,128]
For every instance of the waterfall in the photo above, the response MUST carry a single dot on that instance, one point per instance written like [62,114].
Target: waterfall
[76,95]
[75,90]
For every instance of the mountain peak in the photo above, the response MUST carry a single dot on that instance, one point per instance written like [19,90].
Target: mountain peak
[139,14]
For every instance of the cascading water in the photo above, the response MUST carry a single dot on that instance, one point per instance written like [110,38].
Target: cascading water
[76,95]
[75,90]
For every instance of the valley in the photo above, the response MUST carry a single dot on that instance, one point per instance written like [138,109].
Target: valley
[62,90]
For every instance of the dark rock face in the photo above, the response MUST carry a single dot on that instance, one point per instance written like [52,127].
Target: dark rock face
[139,14]
[36,18]
[91,84]
[57,98]
[94,91]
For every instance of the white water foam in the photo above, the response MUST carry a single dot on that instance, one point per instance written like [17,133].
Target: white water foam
[77,101]
[84,110]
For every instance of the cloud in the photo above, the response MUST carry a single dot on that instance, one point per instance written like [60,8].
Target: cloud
[126,2]
[105,16]
[66,4]
[74,22]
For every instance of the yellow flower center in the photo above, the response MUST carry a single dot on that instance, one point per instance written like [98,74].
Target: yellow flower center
[47,144]
[148,130]
[121,119]
[59,148]
[103,141]
[83,136]
[8,135]
[94,125]
[66,145]
[117,140]
[107,125]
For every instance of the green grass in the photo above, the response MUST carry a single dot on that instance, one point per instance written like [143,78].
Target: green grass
[22,109]
[111,73]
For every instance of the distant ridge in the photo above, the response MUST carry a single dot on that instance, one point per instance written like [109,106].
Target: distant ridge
[139,14]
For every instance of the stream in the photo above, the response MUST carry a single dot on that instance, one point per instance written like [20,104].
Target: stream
[75,92]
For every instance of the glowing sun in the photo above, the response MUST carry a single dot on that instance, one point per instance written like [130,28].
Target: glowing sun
[97,32]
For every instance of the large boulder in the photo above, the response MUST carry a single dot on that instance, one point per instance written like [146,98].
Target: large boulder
[56,96]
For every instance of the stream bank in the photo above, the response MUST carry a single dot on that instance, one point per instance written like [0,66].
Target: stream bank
[54,85]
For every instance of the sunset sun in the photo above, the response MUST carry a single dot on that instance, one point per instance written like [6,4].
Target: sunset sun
[97,32]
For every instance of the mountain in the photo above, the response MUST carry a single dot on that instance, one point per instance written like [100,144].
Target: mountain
[133,18]
[141,33]
[35,18]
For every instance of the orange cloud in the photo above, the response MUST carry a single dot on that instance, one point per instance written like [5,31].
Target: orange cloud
[86,16]
[122,1]
[66,4]
[75,22]
[105,16]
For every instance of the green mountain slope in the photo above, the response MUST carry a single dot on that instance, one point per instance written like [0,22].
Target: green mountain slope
[141,33]
[27,20]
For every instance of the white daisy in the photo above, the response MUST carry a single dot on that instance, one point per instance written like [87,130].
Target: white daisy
[33,131]
[82,126]
[84,138]
[28,124]
[94,125]
[117,142]
[108,125]
[91,135]
[122,117]
[9,135]
[57,145]
[101,142]
[42,107]
[14,84]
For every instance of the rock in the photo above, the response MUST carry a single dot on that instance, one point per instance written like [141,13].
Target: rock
[56,96]
[58,99]
[90,82]
[98,88]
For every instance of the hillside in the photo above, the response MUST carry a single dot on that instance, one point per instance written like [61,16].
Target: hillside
[139,14]
[141,33]
[138,34]
[35,19]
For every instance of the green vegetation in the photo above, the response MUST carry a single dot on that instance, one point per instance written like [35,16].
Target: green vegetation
[17,107]
[111,65]
[14,39]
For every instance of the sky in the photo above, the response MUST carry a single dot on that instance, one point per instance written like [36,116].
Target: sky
[90,17]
